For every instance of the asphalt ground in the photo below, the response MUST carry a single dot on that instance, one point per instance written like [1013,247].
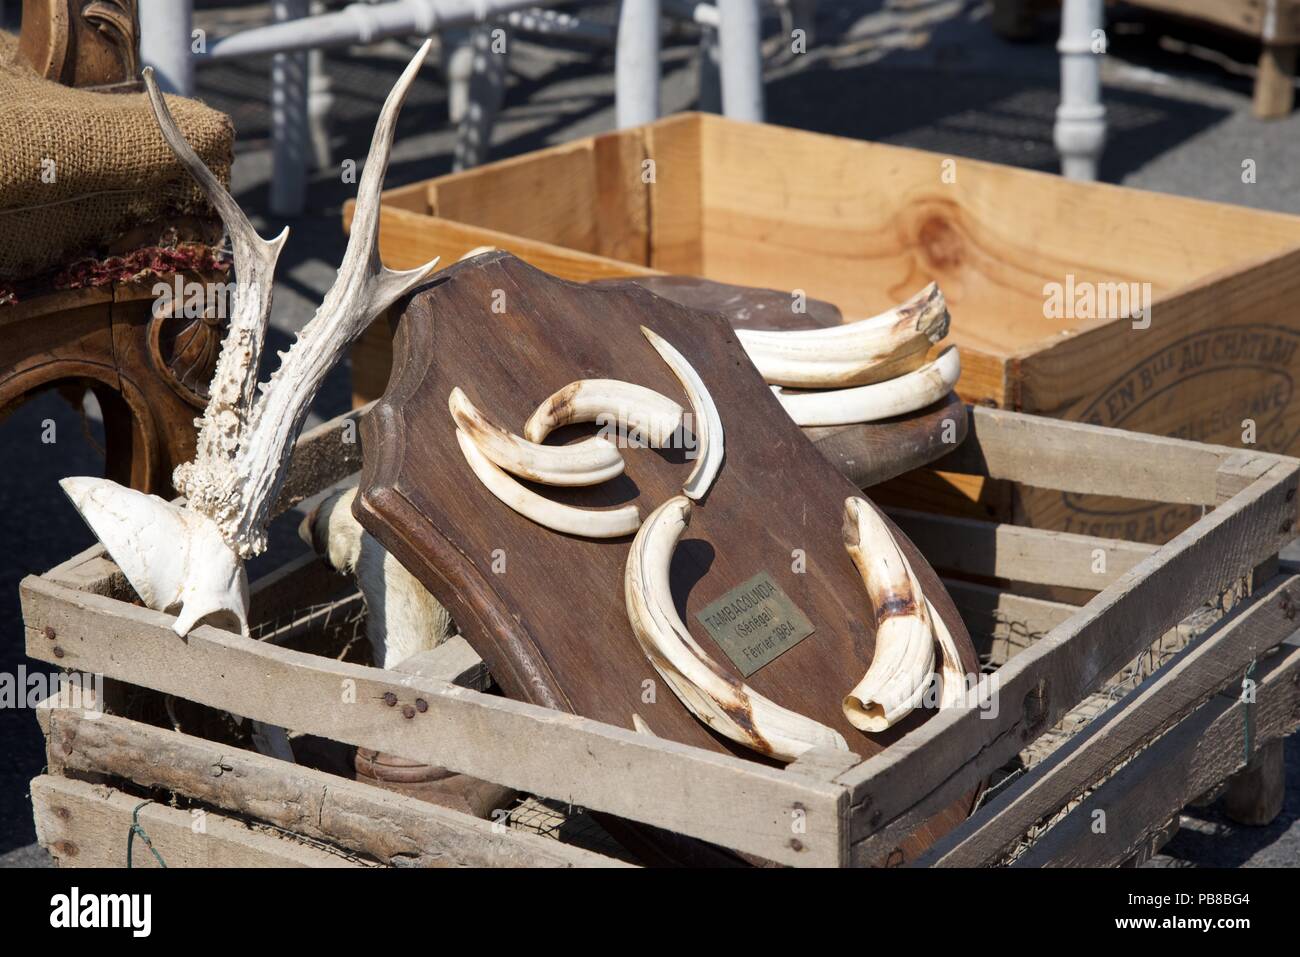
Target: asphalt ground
[928,74]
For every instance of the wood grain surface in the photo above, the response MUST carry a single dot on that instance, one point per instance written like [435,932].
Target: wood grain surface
[551,623]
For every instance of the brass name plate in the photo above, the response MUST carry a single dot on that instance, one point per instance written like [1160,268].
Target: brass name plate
[755,622]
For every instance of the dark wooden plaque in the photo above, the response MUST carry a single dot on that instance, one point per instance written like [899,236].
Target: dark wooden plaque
[546,610]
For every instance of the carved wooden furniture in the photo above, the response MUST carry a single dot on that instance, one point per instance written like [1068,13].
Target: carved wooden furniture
[96,322]
[149,373]
[83,44]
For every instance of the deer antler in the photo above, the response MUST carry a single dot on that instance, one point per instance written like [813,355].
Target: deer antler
[189,560]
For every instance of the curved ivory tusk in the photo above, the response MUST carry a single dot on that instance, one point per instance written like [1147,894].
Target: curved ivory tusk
[857,353]
[588,462]
[639,411]
[951,671]
[721,701]
[706,424]
[903,662]
[587,522]
[870,403]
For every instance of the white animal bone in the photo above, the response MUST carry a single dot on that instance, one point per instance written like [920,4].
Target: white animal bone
[870,403]
[589,462]
[402,618]
[587,522]
[641,412]
[245,439]
[706,424]
[903,662]
[721,701]
[856,353]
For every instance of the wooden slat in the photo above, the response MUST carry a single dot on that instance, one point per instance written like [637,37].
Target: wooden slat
[1214,661]
[1075,457]
[453,661]
[390,828]
[1195,756]
[86,825]
[407,240]
[957,748]
[719,798]
[1018,553]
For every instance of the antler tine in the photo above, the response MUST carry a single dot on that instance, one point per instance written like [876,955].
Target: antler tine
[363,245]
[363,289]
[233,389]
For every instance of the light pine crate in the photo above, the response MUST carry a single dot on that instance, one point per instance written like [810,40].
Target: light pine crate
[863,225]
[1130,703]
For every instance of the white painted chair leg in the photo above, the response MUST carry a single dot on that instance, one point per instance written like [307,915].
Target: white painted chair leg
[1080,130]
[320,100]
[457,51]
[487,91]
[165,43]
[740,43]
[290,147]
[636,63]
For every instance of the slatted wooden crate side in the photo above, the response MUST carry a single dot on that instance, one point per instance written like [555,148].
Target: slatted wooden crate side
[1214,742]
[726,800]
[86,825]
[896,789]
[224,671]
[1213,663]
[376,824]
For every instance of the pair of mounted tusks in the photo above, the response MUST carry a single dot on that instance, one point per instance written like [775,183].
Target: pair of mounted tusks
[907,629]
[867,370]
[495,455]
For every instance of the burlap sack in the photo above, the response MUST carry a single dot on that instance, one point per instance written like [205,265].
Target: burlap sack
[78,169]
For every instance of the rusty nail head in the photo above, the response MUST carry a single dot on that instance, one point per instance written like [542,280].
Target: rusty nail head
[408,711]
[49,633]
[390,699]
[58,652]
[421,705]
[796,844]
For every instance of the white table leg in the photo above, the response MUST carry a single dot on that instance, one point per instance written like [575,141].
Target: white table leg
[165,43]
[290,146]
[1080,130]
[740,43]
[636,63]
[320,100]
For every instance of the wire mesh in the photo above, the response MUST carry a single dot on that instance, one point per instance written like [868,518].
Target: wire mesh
[1149,661]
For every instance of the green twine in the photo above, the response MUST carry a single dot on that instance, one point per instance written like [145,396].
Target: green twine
[138,828]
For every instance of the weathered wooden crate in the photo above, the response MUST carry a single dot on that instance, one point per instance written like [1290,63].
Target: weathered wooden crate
[863,225]
[1131,704]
